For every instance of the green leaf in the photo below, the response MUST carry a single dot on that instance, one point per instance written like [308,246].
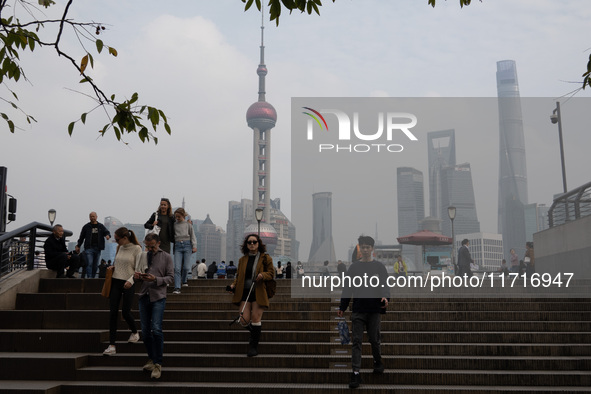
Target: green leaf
[99,45]
[32,43]
[163,116]
[113,51]
[117,133]
[143,134]
[248,4]
[71,128]
[11,126]
[167,128]
[83,118]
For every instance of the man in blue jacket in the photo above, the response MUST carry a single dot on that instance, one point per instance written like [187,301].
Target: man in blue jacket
[370,302]
[93,236]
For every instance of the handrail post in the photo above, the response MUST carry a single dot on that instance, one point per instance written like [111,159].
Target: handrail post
[32,242]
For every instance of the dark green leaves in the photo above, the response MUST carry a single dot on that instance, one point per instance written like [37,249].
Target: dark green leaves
[587,75]
[275,7]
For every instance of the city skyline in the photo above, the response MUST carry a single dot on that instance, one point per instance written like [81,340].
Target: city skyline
[202,55]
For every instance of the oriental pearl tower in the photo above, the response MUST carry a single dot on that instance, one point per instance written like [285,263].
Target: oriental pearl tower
[261,118]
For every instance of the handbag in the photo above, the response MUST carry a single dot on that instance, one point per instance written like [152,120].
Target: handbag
[344,332]
[271,288]
[271,285]
[107,285]
[156,228]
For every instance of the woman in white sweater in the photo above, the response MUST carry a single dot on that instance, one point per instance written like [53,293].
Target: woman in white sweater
[122,285]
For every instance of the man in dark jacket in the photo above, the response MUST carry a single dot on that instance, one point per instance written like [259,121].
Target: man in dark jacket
[57,257]
[93,236]
[370,301]
[464,259]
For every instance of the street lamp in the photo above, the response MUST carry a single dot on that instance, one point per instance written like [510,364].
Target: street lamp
[51,214]
[555,118]
[258,213]
[451,212]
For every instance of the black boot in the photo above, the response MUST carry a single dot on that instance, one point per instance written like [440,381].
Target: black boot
[253,343]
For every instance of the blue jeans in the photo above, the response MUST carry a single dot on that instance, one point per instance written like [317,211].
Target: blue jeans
[92,258]
[151,314]
[182,262]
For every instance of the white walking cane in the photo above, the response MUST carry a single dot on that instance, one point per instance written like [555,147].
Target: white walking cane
[240,319]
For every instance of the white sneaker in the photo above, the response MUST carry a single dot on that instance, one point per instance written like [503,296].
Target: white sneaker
[110,351]
[176,291]
[156,372]
[185,285]
[133,338]
[149,367]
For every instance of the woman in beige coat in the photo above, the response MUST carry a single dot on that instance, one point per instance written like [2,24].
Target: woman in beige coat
[254,269]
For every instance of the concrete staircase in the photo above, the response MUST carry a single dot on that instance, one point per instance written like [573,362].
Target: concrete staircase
[53,342]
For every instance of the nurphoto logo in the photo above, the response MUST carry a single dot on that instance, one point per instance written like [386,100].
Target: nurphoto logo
[390,125]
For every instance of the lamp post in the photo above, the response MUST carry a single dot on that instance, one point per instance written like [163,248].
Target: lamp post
[51,214]
[258,214]
[451,212]
[556,118]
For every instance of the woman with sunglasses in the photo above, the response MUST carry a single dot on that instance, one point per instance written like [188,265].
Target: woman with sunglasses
[254,268]
[164,219]
[122,285]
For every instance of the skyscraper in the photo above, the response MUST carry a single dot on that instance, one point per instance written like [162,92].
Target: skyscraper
[441,150]
[457,190]
[240,215]
[210,243]
[411,200]
[536,219]
[512,166]
[411,207]
[322,244]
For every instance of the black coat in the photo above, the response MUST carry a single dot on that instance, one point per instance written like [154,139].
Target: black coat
[464,257]
[149,225]
[53,247]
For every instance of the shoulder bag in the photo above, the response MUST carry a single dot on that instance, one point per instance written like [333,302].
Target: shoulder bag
[107,285]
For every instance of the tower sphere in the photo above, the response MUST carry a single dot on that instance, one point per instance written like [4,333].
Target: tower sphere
[261,115]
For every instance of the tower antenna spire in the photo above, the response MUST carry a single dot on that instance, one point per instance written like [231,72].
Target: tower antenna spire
[262,69]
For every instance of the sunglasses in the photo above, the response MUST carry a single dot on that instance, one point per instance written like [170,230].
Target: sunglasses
[252,242]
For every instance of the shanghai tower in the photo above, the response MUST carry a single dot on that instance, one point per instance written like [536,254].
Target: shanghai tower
[512,166]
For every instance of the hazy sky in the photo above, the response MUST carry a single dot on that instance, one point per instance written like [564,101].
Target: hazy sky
[197,61]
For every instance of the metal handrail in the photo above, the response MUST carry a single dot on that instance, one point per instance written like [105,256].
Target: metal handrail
[571,205]
[32,235]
